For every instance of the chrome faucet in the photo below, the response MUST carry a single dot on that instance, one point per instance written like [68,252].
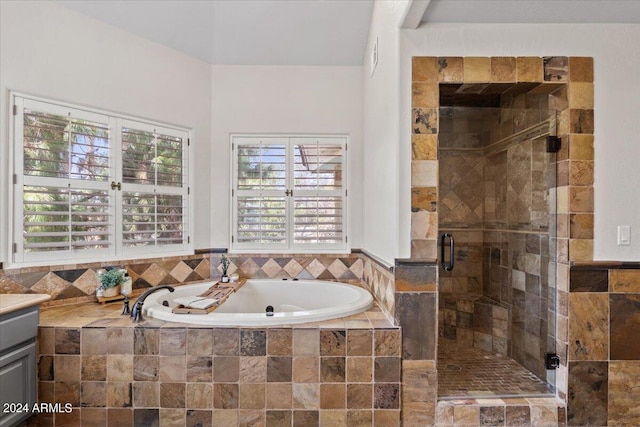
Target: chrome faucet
[136,313]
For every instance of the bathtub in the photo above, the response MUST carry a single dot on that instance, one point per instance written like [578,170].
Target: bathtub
[294,301]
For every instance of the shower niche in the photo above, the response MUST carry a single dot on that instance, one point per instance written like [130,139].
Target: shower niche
[496,213]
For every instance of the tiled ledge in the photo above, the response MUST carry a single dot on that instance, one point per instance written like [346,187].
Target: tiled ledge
[602,265]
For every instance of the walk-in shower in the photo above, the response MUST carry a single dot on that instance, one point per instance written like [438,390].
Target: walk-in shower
[496,219]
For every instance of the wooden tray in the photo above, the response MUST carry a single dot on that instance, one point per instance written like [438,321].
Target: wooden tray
[220,290]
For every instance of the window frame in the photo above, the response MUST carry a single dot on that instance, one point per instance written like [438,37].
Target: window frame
[290,141]
[15,255]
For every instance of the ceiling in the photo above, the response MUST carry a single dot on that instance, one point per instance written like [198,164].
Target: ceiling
[245,32]
[315,32]
[533,11]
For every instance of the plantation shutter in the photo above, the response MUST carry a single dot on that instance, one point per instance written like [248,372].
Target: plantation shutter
[63,165]
[289,193]
[93,186]
[154,192]
[261,203]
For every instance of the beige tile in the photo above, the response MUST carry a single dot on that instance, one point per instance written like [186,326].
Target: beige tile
[425,95]
[581,95]
[503,69]
[529,69]
[580,147]
[581,249]
[424,147]
[424,69]
[450,70]
[621,280]
[477,69]
[466,415]
[424,173]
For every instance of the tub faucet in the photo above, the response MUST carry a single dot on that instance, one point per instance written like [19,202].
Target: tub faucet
[136,313]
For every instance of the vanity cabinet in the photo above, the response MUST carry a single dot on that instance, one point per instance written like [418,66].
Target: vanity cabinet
[18,330]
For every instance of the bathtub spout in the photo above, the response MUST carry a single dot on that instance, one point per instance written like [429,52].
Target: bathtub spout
[136,313]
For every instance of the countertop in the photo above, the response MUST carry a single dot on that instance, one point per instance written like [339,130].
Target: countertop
[14,302]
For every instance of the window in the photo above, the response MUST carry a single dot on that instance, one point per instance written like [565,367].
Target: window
[95,186]
[289,193]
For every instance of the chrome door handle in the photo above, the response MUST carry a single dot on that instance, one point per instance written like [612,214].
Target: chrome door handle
[446,266]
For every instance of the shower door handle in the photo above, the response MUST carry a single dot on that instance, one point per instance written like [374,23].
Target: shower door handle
[446,266]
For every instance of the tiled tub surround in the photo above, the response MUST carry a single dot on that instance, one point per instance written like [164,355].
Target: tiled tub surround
[341,372]
[77,283]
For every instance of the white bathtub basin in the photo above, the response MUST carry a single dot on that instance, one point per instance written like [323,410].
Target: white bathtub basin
[298,301]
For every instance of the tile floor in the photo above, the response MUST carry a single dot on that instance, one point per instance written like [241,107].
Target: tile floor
[465,372]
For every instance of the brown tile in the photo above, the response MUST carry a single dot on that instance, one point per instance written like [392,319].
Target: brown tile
[359,369]
[67,341]
[621,280]
[416,313]
[119,394]
[589,280]
[529,69]
[280,396]
[492,415]
[93,394]
[146,394]
[476,69]
[45,368]
[225,396]
[466,415]
[333,417]
[252,396]
[279,418]
[332,342]
[172,417]
[386,396]
[199,368]
[225,418]
[580,199]
[424,147]
[146,341]
[332,396]
[386,418]
[306,369]
[587,398]
[145,368]
[424,198]
[199,396]
[68,419]
[581,96]
[226,342]
[556,68]
[517,415]
[172,395]
[93,417]
[306,396]
[252,369]
[199,342]
[580,69]
[117,417]
[253,342]
[306,418]
[199,418]
[67,368]
[360,418]
[581,226]
[581,147]
[424,69]
[280,342]
[173,342]
[425,95]
[146,417]
[278,369]
[503,69]
[332,369]
[359,396]
[425,121]
[581,172]
[450,70]
[581,121]
[94,340]
[625,321]
[588,326]
[67,392]
[415,278]
[47,340]
[172,368]
[623,393]
[120,340]
[387,369]
[226,369]
[359,342]
[119,367]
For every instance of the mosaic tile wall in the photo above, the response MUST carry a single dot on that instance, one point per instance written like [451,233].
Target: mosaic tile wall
[143,376]
[604,350]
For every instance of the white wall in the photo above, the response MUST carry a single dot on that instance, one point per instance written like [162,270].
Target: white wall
[617,105]
[383,195]
[49,51]
[283,99]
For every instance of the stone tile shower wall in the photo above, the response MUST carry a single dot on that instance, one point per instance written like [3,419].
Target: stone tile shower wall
[574,102]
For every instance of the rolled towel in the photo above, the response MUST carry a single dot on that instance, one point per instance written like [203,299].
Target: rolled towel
[197,302]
